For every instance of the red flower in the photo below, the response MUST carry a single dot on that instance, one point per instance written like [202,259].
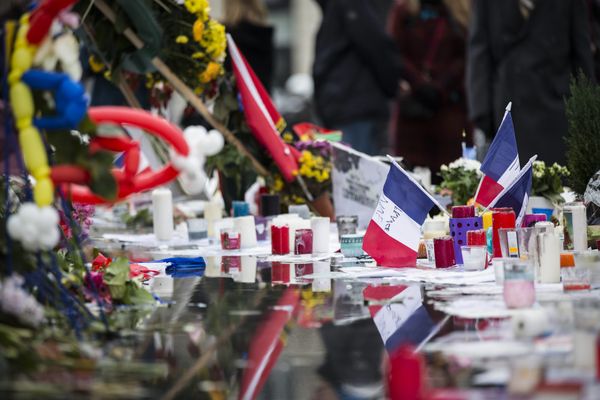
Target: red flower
[101,262]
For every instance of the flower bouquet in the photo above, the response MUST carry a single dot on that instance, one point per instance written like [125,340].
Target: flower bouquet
[461,177]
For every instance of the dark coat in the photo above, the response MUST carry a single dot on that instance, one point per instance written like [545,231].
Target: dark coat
[528,61]
[356,67]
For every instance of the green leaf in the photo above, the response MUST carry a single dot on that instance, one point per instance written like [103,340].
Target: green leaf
[137,295]
[117,272]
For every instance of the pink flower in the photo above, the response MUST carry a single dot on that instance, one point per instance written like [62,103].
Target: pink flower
[95,281]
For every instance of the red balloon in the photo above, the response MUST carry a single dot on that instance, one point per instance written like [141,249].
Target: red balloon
[42,17]
[127,180]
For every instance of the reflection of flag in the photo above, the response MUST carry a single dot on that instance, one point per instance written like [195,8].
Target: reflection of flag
[501,163]
[266,345]
[399,315]
[516,195]
[262,117]
[392,237]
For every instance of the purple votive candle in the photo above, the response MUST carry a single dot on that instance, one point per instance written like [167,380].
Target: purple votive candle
[303,243]
[444,252]
[529,220]
[261,227]
[463,211]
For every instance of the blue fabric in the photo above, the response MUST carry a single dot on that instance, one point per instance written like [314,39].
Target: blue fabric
[364,136]
[516,195]
[407,195]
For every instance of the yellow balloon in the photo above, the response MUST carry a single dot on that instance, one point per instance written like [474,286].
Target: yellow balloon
[21,59]
[21,101]
[43,192]
[33,149]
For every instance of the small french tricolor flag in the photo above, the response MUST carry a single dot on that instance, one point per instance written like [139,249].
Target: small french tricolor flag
[392,237]
[501,164]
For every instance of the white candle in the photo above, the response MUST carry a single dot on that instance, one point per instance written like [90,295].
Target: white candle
[247,228]
[212,212]
[162,209]
[549,256]
[320,228]
[575,222]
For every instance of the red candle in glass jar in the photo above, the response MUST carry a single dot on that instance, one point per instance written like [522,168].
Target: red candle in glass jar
[230,239]
[303,243]
[501,218]
[477,238]
[280,239]
[444,252]
[463,212]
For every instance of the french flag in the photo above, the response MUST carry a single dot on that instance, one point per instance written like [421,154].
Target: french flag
[392,237]
[516,195]
[501,164]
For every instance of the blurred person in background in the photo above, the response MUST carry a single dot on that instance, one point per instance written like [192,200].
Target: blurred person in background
[431,111]
[526,51]
[594,8]
[246,21]
[356,72]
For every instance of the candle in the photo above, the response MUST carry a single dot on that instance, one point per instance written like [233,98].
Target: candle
[531,219]
[501,218]
[197,229]
[474,257]
[463,212]
[162,209]
[240,208]
[261,227]
[575,223]
[230,239]
[487,219]
[245,226]
[300,209]
[270,205]
[549,257]
[213,211]
[280,239]
[519,290]
[477,238]
[320,230]
[432,229]
[444,252]
[303,243]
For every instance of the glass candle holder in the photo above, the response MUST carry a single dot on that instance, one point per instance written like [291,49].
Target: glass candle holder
[351,245]
[519,289]
[589,260]
[509,242]
[501,218]
[347,224]
[280,239]
[230,239]
[197,228]
[303,243]
[444,252]
[474,257]
[301,209]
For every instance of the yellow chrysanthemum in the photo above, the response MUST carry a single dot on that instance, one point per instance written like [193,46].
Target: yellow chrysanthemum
[95,64]
[181,39]
[197,55]
[278,184]
[198,30]
[212,71]
[214,39]
[196,6]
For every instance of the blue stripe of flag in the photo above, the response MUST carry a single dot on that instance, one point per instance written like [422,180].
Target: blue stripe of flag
[407,195]
[502,151]
[416,329]
[514,196]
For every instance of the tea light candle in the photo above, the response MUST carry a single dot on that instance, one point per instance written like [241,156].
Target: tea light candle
[549,258]
[245,226]
[162,213]
[320,230]
[444,252]
[280,239]
[477,238]
[230,239]
[240,208]
[463,212]
[270,205]
[303,243]
[501,218]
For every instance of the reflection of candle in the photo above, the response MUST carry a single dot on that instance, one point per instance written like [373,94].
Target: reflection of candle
[280,239]
[320,229]
[444,252]
[321,284]
[162,209]
[477,238]
[303,243]
[501,218]
[245,225]
[463,212]
[247,270]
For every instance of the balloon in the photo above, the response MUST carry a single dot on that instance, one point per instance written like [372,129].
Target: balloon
[42,17]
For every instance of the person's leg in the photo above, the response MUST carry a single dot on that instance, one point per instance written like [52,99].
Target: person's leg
[360,135]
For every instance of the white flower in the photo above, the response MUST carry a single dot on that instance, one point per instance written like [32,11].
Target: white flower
[16,301]
[36,228]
